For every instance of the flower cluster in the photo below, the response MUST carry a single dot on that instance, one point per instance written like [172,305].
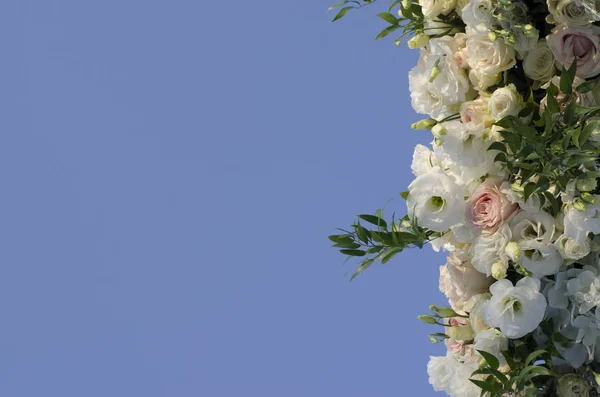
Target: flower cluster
[508,187]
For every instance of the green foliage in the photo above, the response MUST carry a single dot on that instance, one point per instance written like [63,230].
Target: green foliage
[382,243]
[544,156]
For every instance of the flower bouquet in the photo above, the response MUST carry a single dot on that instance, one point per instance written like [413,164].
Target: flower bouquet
[508,187]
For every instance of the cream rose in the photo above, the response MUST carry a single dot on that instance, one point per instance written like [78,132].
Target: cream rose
[459,281]
[573,12]
[538,64]
[505,101]
[488,208]
[577,44]
[433,8]
[487,57]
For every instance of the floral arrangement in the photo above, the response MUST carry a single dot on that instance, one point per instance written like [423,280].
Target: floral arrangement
[508,188]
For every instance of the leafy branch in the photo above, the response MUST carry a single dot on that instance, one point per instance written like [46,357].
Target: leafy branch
[382,243]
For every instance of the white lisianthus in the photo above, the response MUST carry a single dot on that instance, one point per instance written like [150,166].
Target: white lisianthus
[436,201]
[585,290]
[572,250]
[578,224]
[516,310]
[505,101]
[537,226]
[493,342]
[461,385]
[433,8]
[473,307]
[437,84]
[424,161]
[487,57]
[541,259]
[488,250]
[538,64]
[477,15]
[573,12]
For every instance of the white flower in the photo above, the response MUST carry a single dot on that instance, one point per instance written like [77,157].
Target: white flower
[477,15]
[437,84]
[516,310]
[441,370]
[588,331]
[584,290]
[424,161]
[473,307]
[490,249]
[475,117]
[573,12]
[436,201]
[433,8]
[493,342]
[537,226]
[541,259]
[505,101]
[538,64]
[487,57]
[578,224]
[459,281]
[460,385]
[570,249]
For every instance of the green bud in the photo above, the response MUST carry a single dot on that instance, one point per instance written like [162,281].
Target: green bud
[438,130]
[586,185]
[588,198]
[445,312]
[513,251]
[427,319]
[425,124]
[493,36]
[435,71]
[463,332]
[499,270]
[579,205]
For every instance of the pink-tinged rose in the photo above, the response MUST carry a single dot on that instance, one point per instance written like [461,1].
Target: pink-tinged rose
[488,208]
[579,44]
[454,346]
[459,281]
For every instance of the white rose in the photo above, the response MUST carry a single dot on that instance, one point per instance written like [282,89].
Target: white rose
[477,15]
[537,226]
[433,8]
[493,342]
[541,259]
[572,250]
[571,385]
[483,81]
[475,117]
[578,224]
[488,250]
[460,385]
[505,101]
[487,57]
[573,12]
[516,310]
[436,201]
[459,281]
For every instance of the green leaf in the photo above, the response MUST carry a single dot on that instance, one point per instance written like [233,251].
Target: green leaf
[374,220]
[353,252]
[388,254]
[509,360]
[490,359]
[362,268]
[586,86]
[499,146]
[334,238]
[341,13]
[347,245]
[552,104]
[528,190]
[390,18]
[566,82]
[531,357]
[587,132]
[485,386]
[387,31]
[404,195]
[534,370]
[336,5]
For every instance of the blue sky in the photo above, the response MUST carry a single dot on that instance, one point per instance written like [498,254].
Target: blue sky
[170,173]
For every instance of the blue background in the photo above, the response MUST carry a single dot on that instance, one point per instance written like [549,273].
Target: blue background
[170,172]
